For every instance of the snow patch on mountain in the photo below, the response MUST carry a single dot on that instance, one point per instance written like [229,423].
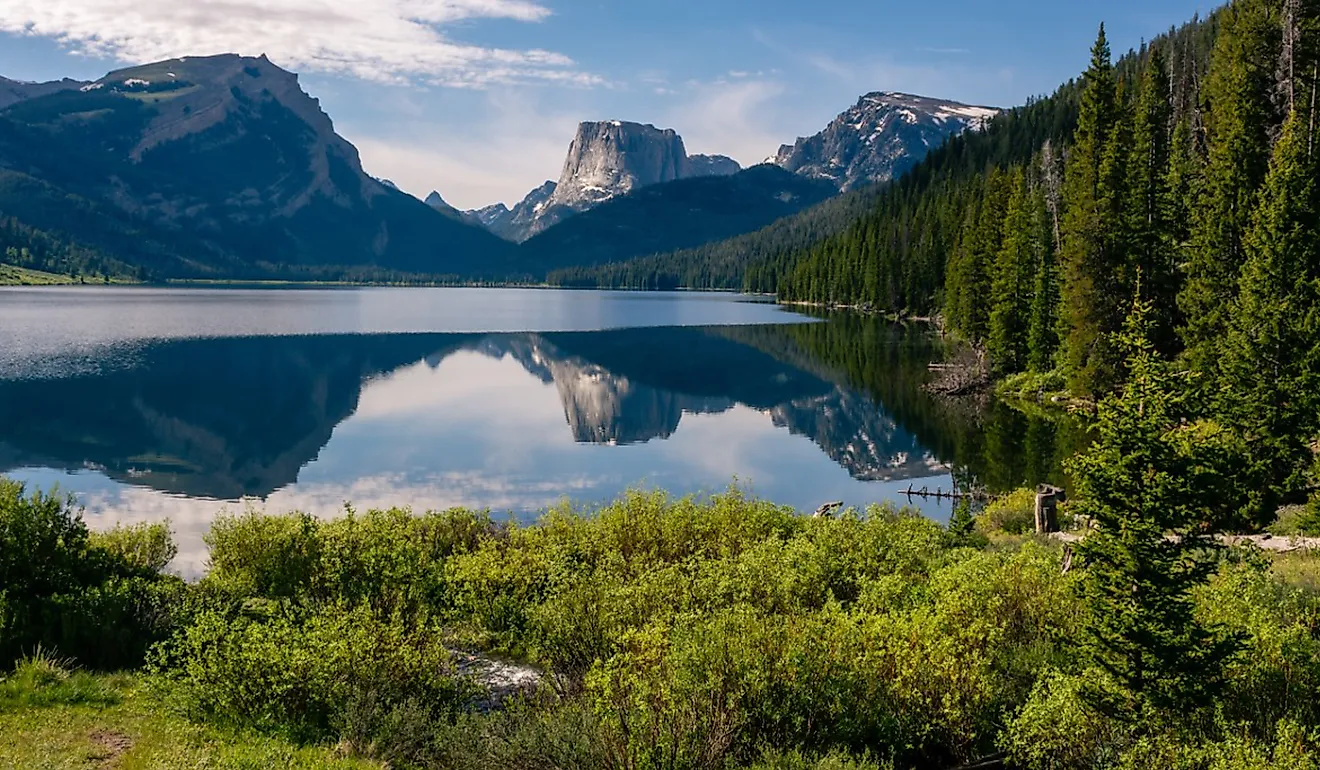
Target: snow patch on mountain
[880,138]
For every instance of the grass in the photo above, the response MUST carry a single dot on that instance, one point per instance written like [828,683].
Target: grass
[11,275]
[1300,569]
[53,718]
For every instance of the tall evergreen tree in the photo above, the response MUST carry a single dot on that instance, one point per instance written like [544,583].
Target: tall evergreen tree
[1082,255]
[1152,245]
[1155,470]
[1012,286]
[1271,361]
[1239,116]
[1042,326]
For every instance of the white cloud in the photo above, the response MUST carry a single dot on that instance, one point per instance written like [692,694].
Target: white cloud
[740,118]
[381,40]
[504,147]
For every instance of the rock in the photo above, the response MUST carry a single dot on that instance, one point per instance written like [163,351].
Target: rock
[501,679]
[712,165]
[879,138]
[606,159]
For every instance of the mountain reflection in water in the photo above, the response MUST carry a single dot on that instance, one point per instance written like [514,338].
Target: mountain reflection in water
[491,420]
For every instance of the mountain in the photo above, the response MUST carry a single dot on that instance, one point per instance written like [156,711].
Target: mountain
[879,138]
[712,165]
[14,91]
[515,224]
[675,215]
[216,166]
[490,216]
[606,159]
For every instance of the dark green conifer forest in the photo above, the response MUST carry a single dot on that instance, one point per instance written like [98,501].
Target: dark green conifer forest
[1181,175]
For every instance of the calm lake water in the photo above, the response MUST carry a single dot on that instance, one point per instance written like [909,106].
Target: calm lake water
[153,404]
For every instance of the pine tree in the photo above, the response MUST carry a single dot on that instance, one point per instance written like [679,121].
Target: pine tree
[1239,118]
[1082,255]
[1042,326]
[1152,249]
[1271,360]
[1012,285]
[1155,470]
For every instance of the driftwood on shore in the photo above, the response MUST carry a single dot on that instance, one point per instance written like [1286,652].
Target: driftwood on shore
[939,494]
[966,373]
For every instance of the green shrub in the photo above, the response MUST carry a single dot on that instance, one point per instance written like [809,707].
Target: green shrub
[334,673]
[392,560]
[536,734]
[94,599]
[274,557]
[1014,513]
[149,547]
[1057,729]
[797,760]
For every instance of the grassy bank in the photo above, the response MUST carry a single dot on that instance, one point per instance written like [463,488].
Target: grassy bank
[11,275]
[52,718]
[675,634]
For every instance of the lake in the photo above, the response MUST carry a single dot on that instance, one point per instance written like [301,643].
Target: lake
[152,404]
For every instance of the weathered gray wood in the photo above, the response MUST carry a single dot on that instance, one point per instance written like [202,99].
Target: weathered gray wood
[1047,508]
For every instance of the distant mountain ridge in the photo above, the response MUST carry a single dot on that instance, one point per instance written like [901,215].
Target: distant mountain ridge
[676,215]
[606,159]
[14,91]
[879,138]
[215,166]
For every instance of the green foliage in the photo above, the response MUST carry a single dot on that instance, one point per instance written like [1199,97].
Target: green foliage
[526,735]
[41,680]
[1238,89]
[1088,257]
[338,672]
[65,592]
[1014,513]
[1271,357]
[149,547]
[1155,470]
[1011,289]
[392,560]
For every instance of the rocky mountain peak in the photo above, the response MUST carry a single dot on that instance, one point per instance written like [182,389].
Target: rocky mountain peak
[881,137]
[606,159]
[609,158]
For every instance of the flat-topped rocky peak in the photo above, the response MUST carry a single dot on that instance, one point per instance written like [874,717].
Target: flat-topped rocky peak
[606,159]
[611,157]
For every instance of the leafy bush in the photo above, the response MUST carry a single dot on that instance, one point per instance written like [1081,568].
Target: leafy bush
[149,547]
[391,559]
[528,735]
[335,673]
[95,599]
[1014,513]
[796,760]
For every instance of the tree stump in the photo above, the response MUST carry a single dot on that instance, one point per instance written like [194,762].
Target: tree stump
[1047,508]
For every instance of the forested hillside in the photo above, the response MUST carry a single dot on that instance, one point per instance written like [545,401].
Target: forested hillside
[1187,186]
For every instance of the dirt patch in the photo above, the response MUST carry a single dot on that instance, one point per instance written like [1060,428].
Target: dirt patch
[110,746]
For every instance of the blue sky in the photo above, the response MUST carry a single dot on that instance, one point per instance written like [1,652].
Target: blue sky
[479,98]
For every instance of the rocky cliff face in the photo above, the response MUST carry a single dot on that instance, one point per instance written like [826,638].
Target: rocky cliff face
[605,160]
[879,139]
